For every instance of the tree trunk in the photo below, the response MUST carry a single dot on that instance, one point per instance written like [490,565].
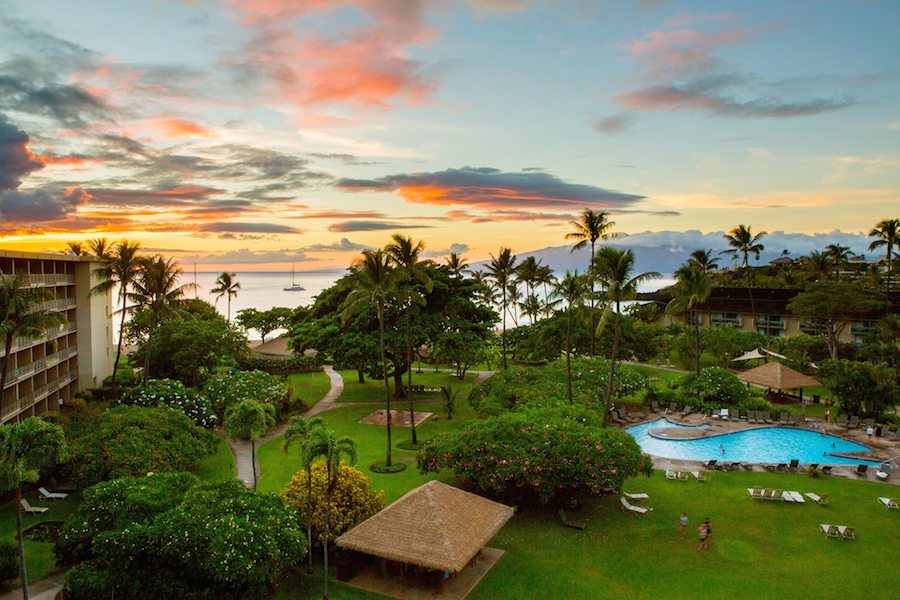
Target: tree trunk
[253,458]
[229,308]
[360,375]
[569,354]
[8,348]
[121,335]
[750,289]
[387,389]
[697,338]
[327,519]
[409,390]
[503,339]
[612,366]
[591,278]
[24,570]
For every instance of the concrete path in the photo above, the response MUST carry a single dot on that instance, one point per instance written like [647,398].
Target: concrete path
[42,589]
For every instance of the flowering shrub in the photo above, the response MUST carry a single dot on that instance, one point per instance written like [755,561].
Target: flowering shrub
[173,394]
[715,387]
[546,452]
[546,386]
[225,390]
[353,499]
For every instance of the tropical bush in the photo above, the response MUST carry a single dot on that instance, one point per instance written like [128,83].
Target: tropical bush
[226,390]
[546,386]
[221,541]
[714,387]
[860,387]
[548,453]
[353,499]
[9,561]
[297,363]
[133,440]
[174,395]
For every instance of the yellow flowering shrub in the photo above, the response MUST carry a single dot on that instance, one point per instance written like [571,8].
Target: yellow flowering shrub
[353,499]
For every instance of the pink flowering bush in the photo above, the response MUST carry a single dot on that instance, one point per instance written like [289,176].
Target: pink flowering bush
[544,452]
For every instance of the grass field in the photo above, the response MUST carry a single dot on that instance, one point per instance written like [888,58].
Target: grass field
[39,558]
[309,387]
[219,465]
[373,389]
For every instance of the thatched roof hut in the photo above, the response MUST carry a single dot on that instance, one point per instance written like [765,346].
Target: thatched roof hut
[435,526]
[776,376]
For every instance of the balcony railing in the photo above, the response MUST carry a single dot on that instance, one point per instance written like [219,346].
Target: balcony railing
[26,400]
[58,304]
[725,320]
[15,375]
[810,328]
[48,279]
[769,323]
[21,342]
[860,329]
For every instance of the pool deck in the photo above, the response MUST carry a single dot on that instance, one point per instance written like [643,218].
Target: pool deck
[882,449]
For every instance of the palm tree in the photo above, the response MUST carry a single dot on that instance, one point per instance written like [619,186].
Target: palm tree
[250,420]
[228,286]
[546,278]
[572,289]
[404,255]
[22,314]
[156,290]
[513,300]
[300,431]
[372,282]
[887,234]
[75,249]
[613,269]
[592,225]
[744,242]
[705,259]
[817,264]
[100,247]
[457,264]
[324,443]
[25,447]
[501,269]
[839,255]
[528,272]
[121,269]
[692,288]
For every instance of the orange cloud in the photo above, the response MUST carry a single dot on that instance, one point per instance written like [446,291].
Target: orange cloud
[70,160]
[180,128]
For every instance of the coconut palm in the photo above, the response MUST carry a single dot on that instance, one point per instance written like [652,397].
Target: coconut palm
[572,289]
[546,278]
[228,286]
[404,255]
[372,282]
[887,234]
[591,226]
[156,290]
[817,264]
[300,431]
[743,242]
[692,288]
[457,264]
[26,447]
[120,268]
[838,255]
[75,249]
[613,269]
[101,248]
[325,444]
[513,301]
[22,314]
[250,420]
[501,270]
[705,259]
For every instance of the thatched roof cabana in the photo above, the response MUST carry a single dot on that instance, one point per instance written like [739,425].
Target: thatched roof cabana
[435,526]
[776,376]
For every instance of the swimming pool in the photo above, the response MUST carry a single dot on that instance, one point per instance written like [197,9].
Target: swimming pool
[761,445]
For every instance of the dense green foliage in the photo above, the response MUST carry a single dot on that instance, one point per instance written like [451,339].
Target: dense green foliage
[547,453]
[264,321]
[226,390]
[132,440]
[860,387]
[172,394]
[9,561]
[275,365]
[715,387]
[546,386]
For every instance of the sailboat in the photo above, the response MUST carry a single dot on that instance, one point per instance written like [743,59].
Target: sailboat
[294,287]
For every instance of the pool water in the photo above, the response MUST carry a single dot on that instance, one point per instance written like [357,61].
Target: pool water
[761,445]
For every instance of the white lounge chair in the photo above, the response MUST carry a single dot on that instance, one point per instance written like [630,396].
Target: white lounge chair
[797,497]
[847,533]
[698,475]
[671,475]
[823,499]
[34,510]
[52,495]
[637,496]
[830,530]
[632,508]
[888,503]
[786,496]
[757,493]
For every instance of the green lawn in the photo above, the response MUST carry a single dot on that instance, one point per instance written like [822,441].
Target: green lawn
[39,556]
[309,387]
[373,389]
[219,465]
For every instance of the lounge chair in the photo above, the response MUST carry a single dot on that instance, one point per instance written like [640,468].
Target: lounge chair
[782,467]
[646,411]
[747,466]
[671,408]
[826,470]
[847,533]
[723,414]
[33,510]
[632,508]
[636,496]
[687,410]
[822,500]
[794,464]
[698,475]
[713,464]
[854,421]
[768,466]
[888,503]
[787,497]
[51,495]
[757,493]
[671,475]
[734,414]
[565,520]
[842,419]
[812,466]
[783,419]
[830,530]
[682,476]
[776,495]
[655,406]
[862,471]
[797,497]
[765,418]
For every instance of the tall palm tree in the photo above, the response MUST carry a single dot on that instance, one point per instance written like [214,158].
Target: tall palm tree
[513,300]
[705,259]
[101,248]
[372,282]
[25,447]
[528,272]
[457,264]
[817,264]
[404,255]
[743,242]
[887,234]
[692,288]
[22,314]
[75,249]
[250,420]
[300,431]
[121,269]
[546,278]
[156,290]
[839,255]
[325,444]
[591,226]
[613,268]
[501,269]
[228,286]
[572,289]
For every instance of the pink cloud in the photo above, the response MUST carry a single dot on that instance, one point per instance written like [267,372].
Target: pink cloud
[663,54]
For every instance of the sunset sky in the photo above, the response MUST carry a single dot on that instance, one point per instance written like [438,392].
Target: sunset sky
[257,133]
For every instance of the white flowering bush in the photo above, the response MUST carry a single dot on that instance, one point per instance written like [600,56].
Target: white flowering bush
[231,388]
[172,394]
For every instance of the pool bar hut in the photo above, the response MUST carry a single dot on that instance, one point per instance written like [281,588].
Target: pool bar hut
[776,376]
[431,539]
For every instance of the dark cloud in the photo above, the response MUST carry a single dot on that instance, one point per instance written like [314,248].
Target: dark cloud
[37,206]
[16,161]
[248,228]
[491,188]
[347,159]
[163,196]
[615,123]
[350,226]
